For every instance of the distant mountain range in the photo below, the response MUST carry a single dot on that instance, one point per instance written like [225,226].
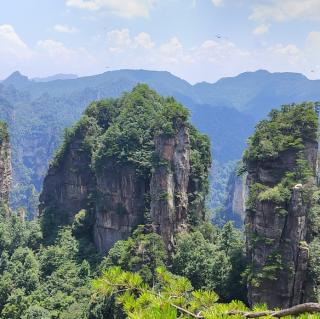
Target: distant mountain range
[55,77]
[38,110]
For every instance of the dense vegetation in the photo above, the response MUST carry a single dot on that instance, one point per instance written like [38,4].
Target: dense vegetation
[285,129]
[68,280]
[55,281]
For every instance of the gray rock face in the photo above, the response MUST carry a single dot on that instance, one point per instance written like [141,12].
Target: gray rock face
[120,204]
[118,196]
[67,186]
[236,201]
[5,166]
[277,240]
[169,185]
[239,197]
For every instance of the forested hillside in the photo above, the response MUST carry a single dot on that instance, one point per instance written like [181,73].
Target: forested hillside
[56,267]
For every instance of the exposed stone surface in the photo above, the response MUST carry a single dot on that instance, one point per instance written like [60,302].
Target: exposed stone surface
[5,164]
[169,185]
[277,243]
[67,186]
[120,193]
[120,204]
[235,205]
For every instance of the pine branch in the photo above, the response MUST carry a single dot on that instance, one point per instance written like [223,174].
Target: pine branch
[193,315]
[293,311]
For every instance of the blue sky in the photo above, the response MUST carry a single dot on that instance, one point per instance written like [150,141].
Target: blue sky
[198,40]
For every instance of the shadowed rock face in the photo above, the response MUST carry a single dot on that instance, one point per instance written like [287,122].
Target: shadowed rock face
[277,243]
[5,165]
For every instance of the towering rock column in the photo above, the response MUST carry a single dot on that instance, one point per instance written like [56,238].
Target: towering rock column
[169,184]
[5,165]
[281,181]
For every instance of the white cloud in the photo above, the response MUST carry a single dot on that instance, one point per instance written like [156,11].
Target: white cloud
[313,43]
[285,10]
[118,40]
[55,49]
[64,28]
[144,40]
[312,52]
[217,3]
[123,8]
[208,60]
[261,29]
[172,47]
[12,44]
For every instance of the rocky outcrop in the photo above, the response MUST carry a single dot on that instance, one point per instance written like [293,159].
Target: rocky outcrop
[147,181]
[5,165]
[169,185]
[277,216]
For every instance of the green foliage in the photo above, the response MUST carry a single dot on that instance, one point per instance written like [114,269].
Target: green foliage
[141,253]
[212,259]
[140,116]
[4,135]
[171,117]
[82,225]
[171,297]
[86,129]
[162,301]
[286,129]
[201,261]
[37,281]
[277,194]
[270,271]
[254,192]
[200,163]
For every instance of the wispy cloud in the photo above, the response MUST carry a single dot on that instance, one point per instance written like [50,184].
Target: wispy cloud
[218,3]
[286,10]
[261,29]
[123,8]
[64,28]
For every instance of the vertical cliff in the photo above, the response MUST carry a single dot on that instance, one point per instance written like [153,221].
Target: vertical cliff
[281,163]
[120,204]
[130,161]
[5,164]
[169,184]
